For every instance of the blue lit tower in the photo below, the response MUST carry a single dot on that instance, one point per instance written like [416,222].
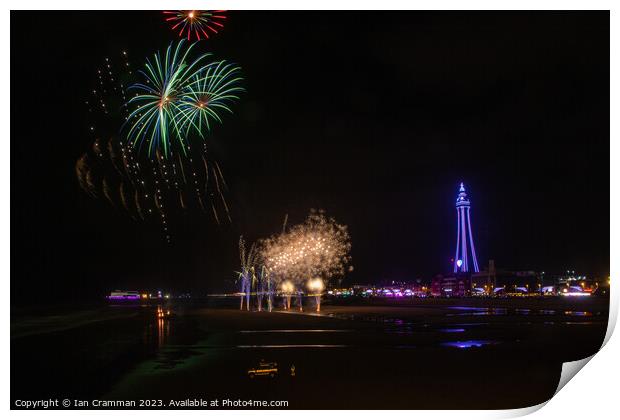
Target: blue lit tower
[464,237]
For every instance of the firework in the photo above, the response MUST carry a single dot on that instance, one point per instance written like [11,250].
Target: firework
[319,247]
[108,95]
[84,175]
[152,190]
[287,288]
[155,105]
[174,101]
[316,286]
[179,95]
[265,288]
[198,23]
[247,275]
[211,91]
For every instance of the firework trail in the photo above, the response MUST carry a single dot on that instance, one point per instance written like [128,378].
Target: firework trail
[84,176]
[284,223]
[219,191]
[153,190]
[107,193]
[247,275]
[106,100]
[138,206]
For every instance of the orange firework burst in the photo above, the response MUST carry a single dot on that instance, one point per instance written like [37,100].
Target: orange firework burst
[319,247]
[198,23]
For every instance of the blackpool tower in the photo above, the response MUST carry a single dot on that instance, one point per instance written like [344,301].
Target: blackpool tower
[464,237]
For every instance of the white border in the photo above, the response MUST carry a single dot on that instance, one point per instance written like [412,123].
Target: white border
[591,394]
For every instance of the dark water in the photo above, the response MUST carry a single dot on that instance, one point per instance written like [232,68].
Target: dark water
[482,355]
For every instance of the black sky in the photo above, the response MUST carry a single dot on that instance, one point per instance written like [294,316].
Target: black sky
[375,117]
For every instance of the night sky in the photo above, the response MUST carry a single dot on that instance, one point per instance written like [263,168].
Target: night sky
[375,117]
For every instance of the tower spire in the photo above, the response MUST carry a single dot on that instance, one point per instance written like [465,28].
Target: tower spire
[464,237]
[461,199]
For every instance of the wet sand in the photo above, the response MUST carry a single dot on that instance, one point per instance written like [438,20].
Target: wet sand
[473,353]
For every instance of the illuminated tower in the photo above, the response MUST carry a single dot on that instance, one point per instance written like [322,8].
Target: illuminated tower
[464,237]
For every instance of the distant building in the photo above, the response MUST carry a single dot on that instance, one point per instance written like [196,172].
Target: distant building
[516,282]
[483,282]
[451,286]
[360,288]
[124,295]
[574,283]
[489,282]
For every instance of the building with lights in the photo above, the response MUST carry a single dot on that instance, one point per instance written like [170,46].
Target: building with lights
[488,282]
[572,284]
[458,285]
